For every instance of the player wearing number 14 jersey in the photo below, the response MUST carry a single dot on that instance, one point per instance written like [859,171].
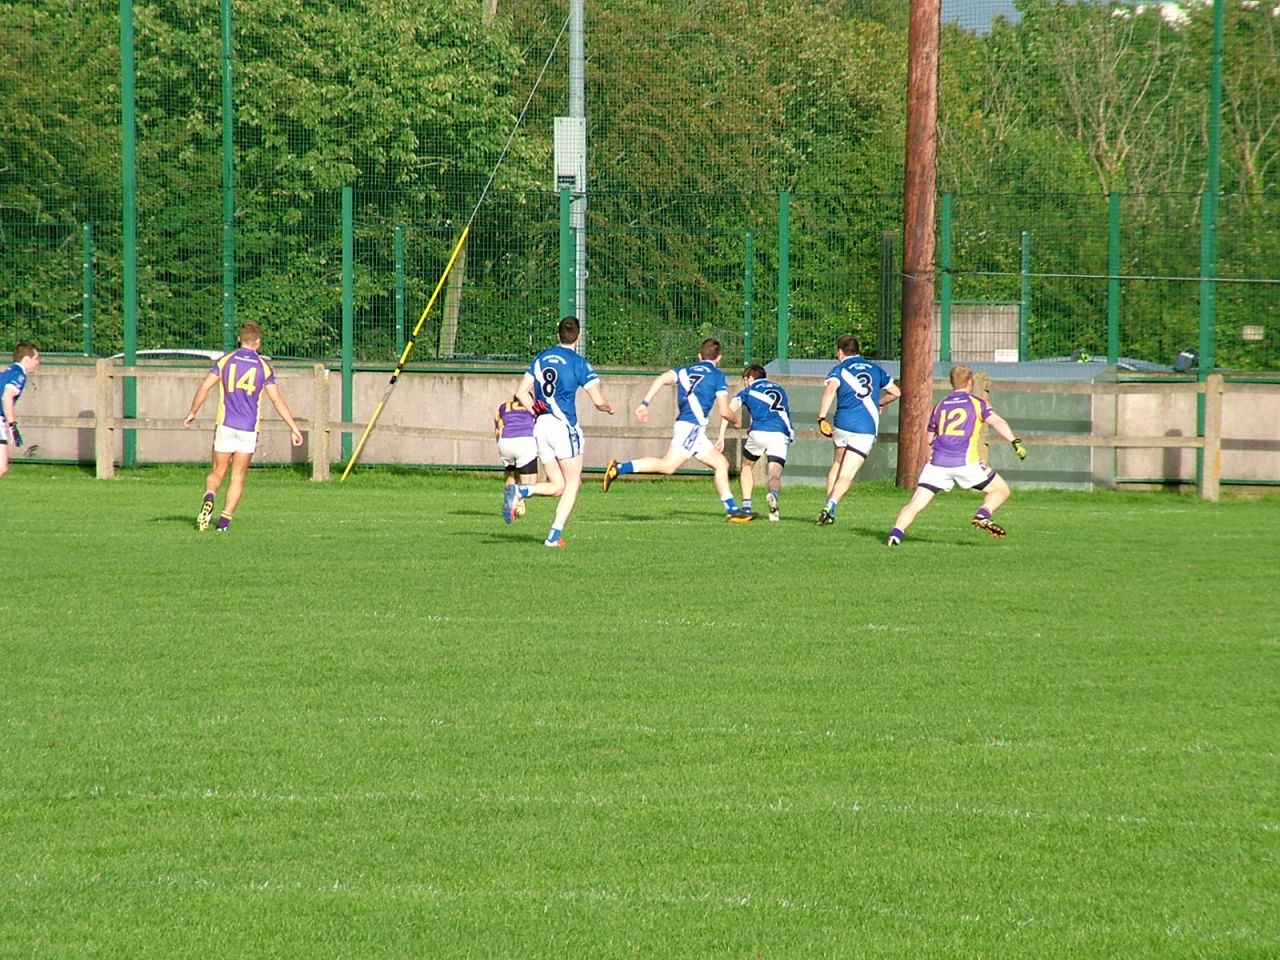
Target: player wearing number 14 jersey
[242,377]
[955,434]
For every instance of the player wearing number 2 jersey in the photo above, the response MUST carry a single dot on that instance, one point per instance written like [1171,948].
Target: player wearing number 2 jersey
[550,386]
[770,435]
[701,392]
[242,377]
[955,434]
[861,390]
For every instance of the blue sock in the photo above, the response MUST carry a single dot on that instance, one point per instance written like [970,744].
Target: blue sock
[626,467]
[729,505]
[831,507]
[523,491]
[554,535]
[746,504]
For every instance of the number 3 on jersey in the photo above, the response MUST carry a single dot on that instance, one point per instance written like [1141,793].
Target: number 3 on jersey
[248,381]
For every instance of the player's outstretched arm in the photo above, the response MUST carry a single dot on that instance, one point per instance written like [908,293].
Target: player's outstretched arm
[890,393]
[596,393]
[282,408]
[524,392]
[660,381]
[202,394]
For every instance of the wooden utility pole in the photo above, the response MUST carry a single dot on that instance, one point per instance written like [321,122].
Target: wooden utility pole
[918,241]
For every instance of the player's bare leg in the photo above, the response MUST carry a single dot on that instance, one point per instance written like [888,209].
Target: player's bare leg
[212,482]
[747,480]
[235,488]
[993,495]
[907,515]
[571,480]
[850,464]
[717,461]
[775,489]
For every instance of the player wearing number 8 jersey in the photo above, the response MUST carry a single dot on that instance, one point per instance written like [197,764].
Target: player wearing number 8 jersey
[242,377]
[860,390]
[955,434]
[550,386]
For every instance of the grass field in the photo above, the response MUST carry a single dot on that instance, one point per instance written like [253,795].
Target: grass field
[374,721]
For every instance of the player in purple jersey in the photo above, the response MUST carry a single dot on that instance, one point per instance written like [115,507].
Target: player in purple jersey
[242,377]
[955,434]
[701,390]
[860,390]
[13,380]
[556,375]
[517,449]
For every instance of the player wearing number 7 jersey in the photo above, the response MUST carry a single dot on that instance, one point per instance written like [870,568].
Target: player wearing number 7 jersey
[242,377]
[861,390]
[955,434]
[701,392]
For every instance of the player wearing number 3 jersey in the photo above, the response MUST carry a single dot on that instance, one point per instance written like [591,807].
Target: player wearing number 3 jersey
[242,377]
[861,390]
[955,434]
[550,387]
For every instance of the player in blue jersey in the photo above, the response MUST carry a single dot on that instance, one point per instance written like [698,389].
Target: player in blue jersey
[242,377]
[13,380]
[701,390]
[860,390]
[955,435]
[550,387]
[770,434]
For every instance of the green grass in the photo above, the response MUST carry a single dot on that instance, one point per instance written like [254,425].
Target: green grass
[374,721]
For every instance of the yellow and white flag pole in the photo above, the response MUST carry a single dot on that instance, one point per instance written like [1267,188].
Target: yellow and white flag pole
[377,411]
[404,356]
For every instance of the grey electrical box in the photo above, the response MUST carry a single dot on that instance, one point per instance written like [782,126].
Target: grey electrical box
[571,153]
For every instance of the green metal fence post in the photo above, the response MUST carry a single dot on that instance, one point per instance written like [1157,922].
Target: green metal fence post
[1113,279]
[748,295]
[784,281]
[399,294]
[86,284]
[348,315]
[1209,236]
[228,190]
[129,221]
[1024,299]
[944,333]
[568,256]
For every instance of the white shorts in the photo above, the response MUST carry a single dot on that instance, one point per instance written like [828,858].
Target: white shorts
[766,443]
[517,451]
[859,443]
[231,440]
[556,439]
[942,479]
[691,439]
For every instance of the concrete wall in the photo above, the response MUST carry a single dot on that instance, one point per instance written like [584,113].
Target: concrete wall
[458,402]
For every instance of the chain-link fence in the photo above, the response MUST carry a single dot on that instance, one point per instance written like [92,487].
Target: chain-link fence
[744,180]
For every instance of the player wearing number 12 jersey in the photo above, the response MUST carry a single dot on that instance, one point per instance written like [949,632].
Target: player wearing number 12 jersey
[242,377]
[955,434]
[861,390]
[550,387]
[701,392]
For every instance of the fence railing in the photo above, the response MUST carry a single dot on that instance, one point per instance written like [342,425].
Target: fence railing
[110,376]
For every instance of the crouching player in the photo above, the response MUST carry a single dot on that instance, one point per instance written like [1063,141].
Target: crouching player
[955,432]
[517,449]
[770,435]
